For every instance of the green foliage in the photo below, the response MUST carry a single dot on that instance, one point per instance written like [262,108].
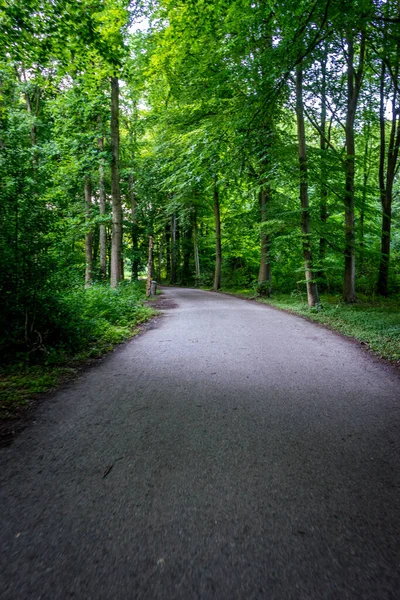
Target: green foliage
[207,99]
[80,324]
[71,321]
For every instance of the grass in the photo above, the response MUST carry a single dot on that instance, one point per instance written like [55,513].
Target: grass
[90,324]
[374,322]
[19,384]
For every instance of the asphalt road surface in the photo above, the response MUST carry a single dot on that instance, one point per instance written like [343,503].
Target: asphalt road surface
[231,452]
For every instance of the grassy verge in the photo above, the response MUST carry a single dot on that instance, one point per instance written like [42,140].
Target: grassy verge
[374,322]
[90,324]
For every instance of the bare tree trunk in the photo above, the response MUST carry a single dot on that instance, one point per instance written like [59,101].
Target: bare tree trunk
[364,190]
[116,240]
[196,248]
[173,250]
[354,80]
[135,258]
[386,183]
[264,274]
[108,240]
[96,244]
[89,234]
[160,259]
[218,248]
[102,202]
[149,267]
[187,252]
[178,252]
[312,289]
[324,190]
[168,251]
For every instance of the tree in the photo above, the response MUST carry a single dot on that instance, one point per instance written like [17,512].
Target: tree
[312,289]
[116,242]
[389,152]
[354,81]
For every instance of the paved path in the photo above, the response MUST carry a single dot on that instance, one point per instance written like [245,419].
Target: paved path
[254,455]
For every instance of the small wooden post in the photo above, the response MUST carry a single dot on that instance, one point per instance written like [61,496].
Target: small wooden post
[149,267]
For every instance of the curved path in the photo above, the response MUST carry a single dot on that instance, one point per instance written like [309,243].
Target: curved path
[254,455]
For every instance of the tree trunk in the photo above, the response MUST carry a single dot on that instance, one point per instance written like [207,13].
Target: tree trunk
[135,253]
[187,247]
[364,191]
[196,249]
[386,184]
[354,80]
[178,252]
[116,240]
[149,267]
[264,274]
[96,247]
[312,289]
[89,234]
[160,259]
[173,250]
[168,251]
[218,248]
[108,240]
[102,202]
[324,191]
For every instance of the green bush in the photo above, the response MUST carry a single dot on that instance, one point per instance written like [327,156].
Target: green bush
[68,322]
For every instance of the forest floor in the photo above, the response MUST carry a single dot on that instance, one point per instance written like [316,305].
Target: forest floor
[374,323]
[232,451]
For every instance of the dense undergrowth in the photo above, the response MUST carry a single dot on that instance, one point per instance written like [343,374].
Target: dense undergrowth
[373,321]
[82,325]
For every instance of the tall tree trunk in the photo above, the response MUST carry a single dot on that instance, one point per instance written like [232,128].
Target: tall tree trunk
[178,257]
[264,274]
[168,251]
[218,247]
[364,191]
[108,240]
[386,183]
[173,250]
[324,189]
[89,234]
[149,267]
[187,252]
[116,240]
[135,257]
[96,247]
[102,202]
[354,80]
[160,258]
[312,289]
[196,249]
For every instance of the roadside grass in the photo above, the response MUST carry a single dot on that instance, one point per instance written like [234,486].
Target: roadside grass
[375,322]
[92,323]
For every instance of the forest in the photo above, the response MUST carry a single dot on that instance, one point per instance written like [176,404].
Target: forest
[255,142]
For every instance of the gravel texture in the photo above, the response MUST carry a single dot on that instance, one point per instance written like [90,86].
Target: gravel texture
[231,452]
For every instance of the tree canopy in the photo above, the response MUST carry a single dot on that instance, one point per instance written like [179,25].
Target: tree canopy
[257,142]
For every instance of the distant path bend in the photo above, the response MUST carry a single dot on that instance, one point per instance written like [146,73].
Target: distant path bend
[231,452]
